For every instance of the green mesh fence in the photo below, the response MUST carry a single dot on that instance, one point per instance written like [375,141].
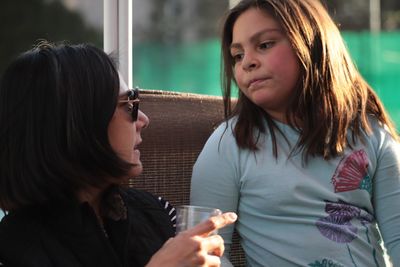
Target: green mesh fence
[185,67]
[195,67]
[378,59]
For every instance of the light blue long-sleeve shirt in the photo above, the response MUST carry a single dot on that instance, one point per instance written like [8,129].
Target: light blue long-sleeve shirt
[325,213]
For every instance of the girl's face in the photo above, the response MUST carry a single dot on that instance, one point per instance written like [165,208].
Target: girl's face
[266,68]
[124,134]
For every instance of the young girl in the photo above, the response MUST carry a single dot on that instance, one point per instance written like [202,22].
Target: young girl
[308,156]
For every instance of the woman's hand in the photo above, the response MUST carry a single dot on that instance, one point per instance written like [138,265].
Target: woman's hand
[194,247]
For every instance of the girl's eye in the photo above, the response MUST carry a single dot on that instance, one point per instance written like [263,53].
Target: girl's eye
[266,45]
[237,57]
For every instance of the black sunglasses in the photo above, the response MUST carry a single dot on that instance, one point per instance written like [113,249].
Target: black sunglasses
[132,102]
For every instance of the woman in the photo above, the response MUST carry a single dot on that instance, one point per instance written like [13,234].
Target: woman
[69,137]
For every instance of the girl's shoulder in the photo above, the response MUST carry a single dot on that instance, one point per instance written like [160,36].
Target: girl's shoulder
[222,137]
[379,141]
[379,132]
[225,129]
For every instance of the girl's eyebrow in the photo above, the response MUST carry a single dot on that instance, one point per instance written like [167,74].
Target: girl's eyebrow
[254,37]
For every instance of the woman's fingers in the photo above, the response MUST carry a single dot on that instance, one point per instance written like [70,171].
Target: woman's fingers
[213,261]
[214,245]
[205,259]
[195,247]
[212,224]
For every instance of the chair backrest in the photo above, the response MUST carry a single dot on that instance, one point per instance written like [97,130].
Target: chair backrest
[180,124]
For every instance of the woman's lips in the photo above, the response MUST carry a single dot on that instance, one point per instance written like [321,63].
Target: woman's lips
[137,153]
[136,149]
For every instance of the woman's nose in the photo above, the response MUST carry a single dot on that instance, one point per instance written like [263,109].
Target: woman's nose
[142,121]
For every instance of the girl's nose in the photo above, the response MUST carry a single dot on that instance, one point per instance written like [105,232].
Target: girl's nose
[142,121]
[250,62]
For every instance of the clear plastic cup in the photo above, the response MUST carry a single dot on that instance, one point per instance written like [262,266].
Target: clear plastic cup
[188,216]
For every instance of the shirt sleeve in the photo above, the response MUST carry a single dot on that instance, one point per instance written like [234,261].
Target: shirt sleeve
[170,210]
[386,197]
[215,178]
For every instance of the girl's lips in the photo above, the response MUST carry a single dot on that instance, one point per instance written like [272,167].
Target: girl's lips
[256,82]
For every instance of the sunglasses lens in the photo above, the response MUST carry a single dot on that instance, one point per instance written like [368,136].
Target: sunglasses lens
[135,111]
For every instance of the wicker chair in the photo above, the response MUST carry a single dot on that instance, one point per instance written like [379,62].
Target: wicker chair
[180,124]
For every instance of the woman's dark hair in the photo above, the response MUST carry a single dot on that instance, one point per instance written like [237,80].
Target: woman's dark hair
[55,106]
[331,96]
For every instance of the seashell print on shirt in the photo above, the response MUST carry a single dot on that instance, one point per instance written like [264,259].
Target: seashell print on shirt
[352,173]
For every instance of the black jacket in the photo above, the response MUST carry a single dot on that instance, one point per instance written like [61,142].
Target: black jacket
[72,236]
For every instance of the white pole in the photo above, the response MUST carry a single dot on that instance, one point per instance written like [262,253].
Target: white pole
[375,15]
[110,32]
[232,3]
[118,34]
[125,40]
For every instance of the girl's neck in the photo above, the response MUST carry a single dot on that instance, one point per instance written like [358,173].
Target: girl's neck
[283,119]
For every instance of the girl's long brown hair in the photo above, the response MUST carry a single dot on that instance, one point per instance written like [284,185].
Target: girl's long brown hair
[331,97]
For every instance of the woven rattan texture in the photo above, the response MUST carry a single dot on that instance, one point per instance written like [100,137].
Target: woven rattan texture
[180,124]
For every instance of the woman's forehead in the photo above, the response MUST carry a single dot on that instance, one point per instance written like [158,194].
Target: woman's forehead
[123,87]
